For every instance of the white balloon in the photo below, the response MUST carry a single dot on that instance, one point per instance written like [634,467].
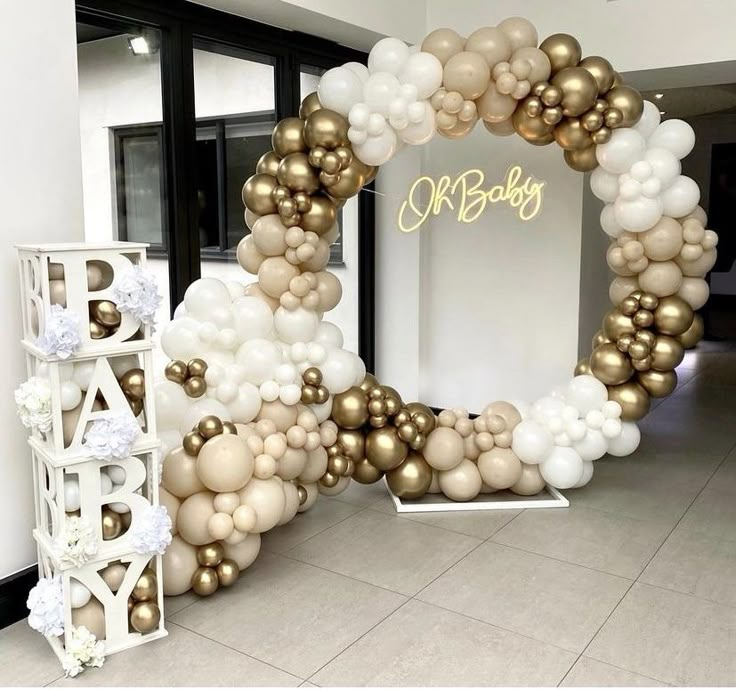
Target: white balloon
[171,404]
[421,132]
[358,68]
[201,408]
[638,214]
[586,393]
[70,394]
[340,89]
[252,318]
[269,391]
[180,310]
[627,442]
[576,429]
[650,119]
[79,595]
[592,446]
[388,55]
[676,136]
[608,221]
[235,288]
[203,296]
[625,147]
[665,165]
[322,412]
[179,339]
[604,185]
[119,365]
[169,439]
[423,70]
[105,484]
[339,370]
[563,468]
[259,359]
[246,405]
[226,391]
[295,326]
[681,197]
[290,394]
[377,150]
[587,475]
[547,408]
[71,493]
[531,442]
[329,335]
[84,370]
[379,90]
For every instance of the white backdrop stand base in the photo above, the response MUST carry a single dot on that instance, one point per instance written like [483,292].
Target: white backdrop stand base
[500,500]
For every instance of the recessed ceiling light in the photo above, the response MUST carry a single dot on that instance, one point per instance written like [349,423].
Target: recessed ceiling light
[661,112]
[658,95]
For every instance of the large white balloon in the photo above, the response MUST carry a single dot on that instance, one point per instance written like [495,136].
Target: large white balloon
[531,442]
[586,476]
[625,147]
[329,335]
[610,225]
[681,197]
[421,132]
[171,404]
[423,70]
[586,393]
[179,339]
[563,467]
[604,185]
[388,55]
[379,90]
[253,318]
[650,119]
[592,446]
[627,442]
[201,408]
[676,136]
[295,326]
[204,296]
[259,359]
[639,214]
[339,89]
[377,150]
[339,370]
[246,404]
[664,164]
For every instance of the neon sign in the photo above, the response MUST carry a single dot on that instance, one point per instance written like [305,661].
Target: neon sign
[466,198]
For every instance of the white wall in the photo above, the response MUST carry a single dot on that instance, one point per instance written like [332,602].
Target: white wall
[41,201]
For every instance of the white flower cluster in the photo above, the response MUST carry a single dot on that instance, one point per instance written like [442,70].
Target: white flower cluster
[111,437]
[61,332]
[77,541]
[151,531]
[33,403]
[46,605]
[84,650]
[135,291]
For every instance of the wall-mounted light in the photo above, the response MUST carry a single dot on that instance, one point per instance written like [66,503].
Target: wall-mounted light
[658,95]
[662,112]
[143,45]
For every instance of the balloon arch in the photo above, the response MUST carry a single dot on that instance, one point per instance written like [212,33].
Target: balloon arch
[263,409]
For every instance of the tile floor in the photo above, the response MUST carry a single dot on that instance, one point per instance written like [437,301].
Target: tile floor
[633,585]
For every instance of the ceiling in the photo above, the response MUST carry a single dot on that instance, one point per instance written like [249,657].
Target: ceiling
[87,33]
[695,100]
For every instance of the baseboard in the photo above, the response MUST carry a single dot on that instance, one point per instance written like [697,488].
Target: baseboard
[14,594]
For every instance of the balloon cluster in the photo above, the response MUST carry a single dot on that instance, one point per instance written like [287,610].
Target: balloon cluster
[190,375]
[143,611]
[214,570]
[312,391]
[104,319]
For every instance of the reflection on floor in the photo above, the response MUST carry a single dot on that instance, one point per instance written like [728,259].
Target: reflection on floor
[634,584]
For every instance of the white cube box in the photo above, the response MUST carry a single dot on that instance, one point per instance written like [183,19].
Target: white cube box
[78,276]
[112,497]
[91,387]
[108,589]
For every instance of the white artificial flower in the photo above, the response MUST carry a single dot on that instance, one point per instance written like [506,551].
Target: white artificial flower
[111,437]
[61,332]
[46,605]
[33,403]
[135,291]
[77,541]
[151,530]
[84,650]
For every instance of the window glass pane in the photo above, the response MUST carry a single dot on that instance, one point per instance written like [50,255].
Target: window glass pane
[120,119]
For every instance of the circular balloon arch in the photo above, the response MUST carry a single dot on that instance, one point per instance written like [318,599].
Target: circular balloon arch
[263,409]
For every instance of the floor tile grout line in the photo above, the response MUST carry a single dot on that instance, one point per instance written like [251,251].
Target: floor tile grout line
[615,608]
[238,651]
[608,663]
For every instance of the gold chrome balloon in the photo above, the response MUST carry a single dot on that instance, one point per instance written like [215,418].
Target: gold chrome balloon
[112,526]
[97,332]
[309,105]
[257,194]
[609,365]
[176,371]
[303,495]
[582,367]
[192,443]
[227,572]
[370,381]
[673,316]
[288,137]
[297,174]
[693,335]
[599,338]
[350,409]
[337,465]
[616,324]
[412,478]
[579,90]
[562,50]
[105,313]
[322,396]
[204,581]
[632,397]
[145,616]
[667,353]
[326,128]
[532,129]
[322,214]
[196,367]
[210,554]
[659,384]
[268,163]
[133,384]
[136,406]
[366,473]
[146,587]
[312,376]
[209,426]
[352,444]
[629,101]
[583,160]
[328,480]
[195,387]
[601,70]
[384,449]
[571,135]
[229,428]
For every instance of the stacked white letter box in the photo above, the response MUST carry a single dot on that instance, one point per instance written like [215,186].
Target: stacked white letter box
[110,494]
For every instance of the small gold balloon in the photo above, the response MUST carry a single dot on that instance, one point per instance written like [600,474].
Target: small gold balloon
[419,441]
[229,428]
[658,384]
[192,443]
[111,524]
[204,581]
[579,90]
[412,478]
[582,367]
[693,335]
[288,137]
[599,338]
[196,367]
[370,381]
[195,387]
[268,163]
[227,572]
[638,350]
[609,365]
[349,409]
[297,174]
[601,70]
[629,101]
[309,105]
[591,121]
[384,449]
[326,128]
[145,617]
[534,106]
[407,431]
[209,426]
[376,407]
[632,397]
[613,117]
[393,405]
[352,444]
[210,554]
[303,495]
[312,376]
[667,353]
[583,160]
[629,306]
[552,95]
[323,395]
[571,135]
[136,406]
[532,129]
[97,332]
[673,316]
[562,50]
[321,216]
[257,194]
[105,313]
[646,337]
[553,115]
[146,587]
[131,603]
[133,384]
[643,318]
[309,395]
[328,480]
[601,136]
[402,416]
[337,465]
[424,421]
[366,473]
[616,324]
[378,421]
[648,301]
[176,371]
